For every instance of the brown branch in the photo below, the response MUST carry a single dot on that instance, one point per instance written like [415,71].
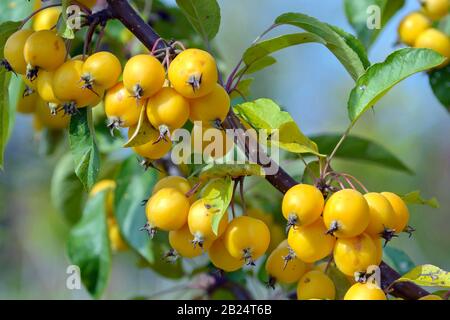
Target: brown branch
[122,10]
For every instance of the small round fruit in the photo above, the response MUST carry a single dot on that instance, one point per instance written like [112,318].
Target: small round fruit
[346,213]
[110,186]
[400,210]
[412,26]
[210,142]
[379,249]
[177,182]
[167,109]
[26,103]
[302,205]
[182,241]
[115,238]
[435,40]
[212,108]
[13,50]
[365,291]
[153,149]
[315,285]
[200,220]
[431,297]
[311,243]
[46,119]
[44,87]
[435,9]
[102,69]
[382,216]
[46,19]
[193,73]
[167,209]
[143,76]
[221,258]
[247,238]
[120,108]
[45,49]
[66,86]
[354,255]
[258,213]
[277,235]
[283,266]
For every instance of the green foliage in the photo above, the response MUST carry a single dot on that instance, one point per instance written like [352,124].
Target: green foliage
[415,197]
[204,16]
[217,194]
[357,14]
[134,186]
[355,62]
[341,282]
[219,170]
[266,114]
[66,190]
[243,87]
[84,148]
[88,246]
[357,148]
[398,259]
[381,77]
[439,80]
[64,29]
[427,275]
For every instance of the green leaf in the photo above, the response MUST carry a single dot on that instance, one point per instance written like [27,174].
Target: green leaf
[64,29]
[142,132]
[358,16]
[427,275]
[334,41]
[381,77]
[439,81]
[341,282]
[415,197]
[257,65]
[243,87]
[220,170]
[66,190]
[84,148]
[134,185]
[264,48]
[88,246]
[398,259]
[217,194]
[311,172]
[358,148]
[266,114]
[204,16]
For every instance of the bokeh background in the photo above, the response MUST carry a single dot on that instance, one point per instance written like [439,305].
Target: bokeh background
[309,83]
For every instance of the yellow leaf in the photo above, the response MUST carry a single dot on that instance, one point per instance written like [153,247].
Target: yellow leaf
[427,275]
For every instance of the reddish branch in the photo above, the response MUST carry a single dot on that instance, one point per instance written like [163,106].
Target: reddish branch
[122,10]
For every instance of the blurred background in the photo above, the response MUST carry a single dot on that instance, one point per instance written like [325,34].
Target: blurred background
[309,83]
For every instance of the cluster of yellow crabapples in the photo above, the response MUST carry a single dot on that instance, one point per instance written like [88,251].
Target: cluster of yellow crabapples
[169,92]
[416,29]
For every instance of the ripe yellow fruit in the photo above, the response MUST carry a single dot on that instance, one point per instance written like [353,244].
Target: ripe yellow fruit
[46,119]
[221,258]
[283,265]
[44,87]
[302,205]
[356,254]
[120,107]
[435,9]
[315,285]
[435,40]
[153,149]
[45,50]
[143,76]
[105,184]
[67,88]
[412,26]
[382,216]
[200,220]
[26,103]
[167,108]
[258,213]
[46,19]
[400,210]
[212,108]
[13,50]
[277,235]
[102,69]
[311,243]
[182,241]
[346,213]
[193,73]
[365,291]
[177,182]
[379,249]
[115,237]
[167,209]
[431,297]
[210,142]
[247,238]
